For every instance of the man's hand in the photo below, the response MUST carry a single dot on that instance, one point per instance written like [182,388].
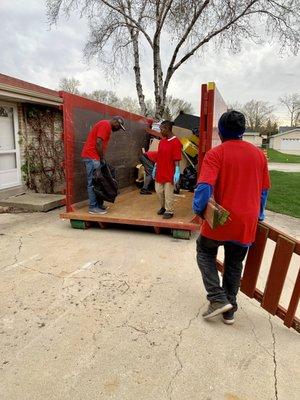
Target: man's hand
[176,175]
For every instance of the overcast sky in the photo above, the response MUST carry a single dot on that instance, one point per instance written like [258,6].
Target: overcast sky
[31,51]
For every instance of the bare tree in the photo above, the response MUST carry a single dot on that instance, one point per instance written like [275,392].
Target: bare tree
[292,104]
[118,29]
[104,96]
[257,114]
[173,106]
[70,85]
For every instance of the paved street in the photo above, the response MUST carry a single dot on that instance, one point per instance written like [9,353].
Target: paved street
[116,314]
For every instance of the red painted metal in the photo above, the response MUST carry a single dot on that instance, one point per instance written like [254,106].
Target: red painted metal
[71,102]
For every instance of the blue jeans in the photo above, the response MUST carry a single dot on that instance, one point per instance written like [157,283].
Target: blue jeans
[90,166]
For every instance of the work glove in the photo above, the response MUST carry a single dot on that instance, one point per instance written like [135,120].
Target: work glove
[176,175]
[154,172]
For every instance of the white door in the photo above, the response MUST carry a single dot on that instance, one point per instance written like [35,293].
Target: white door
[10,169]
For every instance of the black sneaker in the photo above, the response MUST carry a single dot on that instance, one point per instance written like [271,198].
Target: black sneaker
[161,211]
[228,317]
[145,191]
[168,215]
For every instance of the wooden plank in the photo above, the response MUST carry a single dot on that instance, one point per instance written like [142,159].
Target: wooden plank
[131,208]
[280,312]
[254,260]
[278,270]
[290,315]
[275,233]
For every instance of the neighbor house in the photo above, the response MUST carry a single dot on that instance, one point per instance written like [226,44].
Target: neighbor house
[253,137]
[286,141]
[31,145]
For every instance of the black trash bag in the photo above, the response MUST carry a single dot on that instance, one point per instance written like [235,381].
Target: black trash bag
[188,179]
[105,183]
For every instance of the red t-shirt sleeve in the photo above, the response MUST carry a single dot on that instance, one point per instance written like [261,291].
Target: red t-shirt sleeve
[210,168]
[152,155]
[266,177]
[102,131]
[177,146]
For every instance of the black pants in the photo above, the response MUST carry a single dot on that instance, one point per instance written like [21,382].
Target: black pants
[233,265]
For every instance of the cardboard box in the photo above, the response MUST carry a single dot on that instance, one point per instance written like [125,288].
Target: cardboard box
[215,215]
[153,144]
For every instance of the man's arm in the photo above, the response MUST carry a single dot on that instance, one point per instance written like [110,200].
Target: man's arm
[202,194]
[263,202]
[99,147]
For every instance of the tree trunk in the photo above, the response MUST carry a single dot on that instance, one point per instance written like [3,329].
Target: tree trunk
[158,80]
[137,72]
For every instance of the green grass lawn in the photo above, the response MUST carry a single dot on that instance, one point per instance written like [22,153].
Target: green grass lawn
[276,156]
[284,196]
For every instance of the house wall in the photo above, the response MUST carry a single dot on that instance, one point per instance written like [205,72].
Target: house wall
[277,142]
[41,147]
[254,139]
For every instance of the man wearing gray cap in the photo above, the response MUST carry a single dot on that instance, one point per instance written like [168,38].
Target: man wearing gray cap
[93,156]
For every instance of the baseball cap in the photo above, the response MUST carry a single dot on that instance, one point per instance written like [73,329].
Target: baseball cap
[120,121]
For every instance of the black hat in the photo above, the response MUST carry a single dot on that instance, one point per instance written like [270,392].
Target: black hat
[232,125]
[120,121]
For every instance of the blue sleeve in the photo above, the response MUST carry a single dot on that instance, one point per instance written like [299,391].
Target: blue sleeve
[263,202]
[202,194]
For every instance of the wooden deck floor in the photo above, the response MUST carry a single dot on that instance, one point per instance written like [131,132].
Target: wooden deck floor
[134,209]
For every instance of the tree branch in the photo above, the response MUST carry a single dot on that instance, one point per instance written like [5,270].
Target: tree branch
[136,23]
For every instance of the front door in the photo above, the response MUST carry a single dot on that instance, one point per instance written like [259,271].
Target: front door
[10,169]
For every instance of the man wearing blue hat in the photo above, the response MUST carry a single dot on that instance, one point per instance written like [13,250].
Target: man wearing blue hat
[236,174]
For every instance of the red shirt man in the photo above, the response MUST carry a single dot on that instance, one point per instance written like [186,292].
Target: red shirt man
[167,171]
[93,155]
[102,130]
[169,152]
[236,174]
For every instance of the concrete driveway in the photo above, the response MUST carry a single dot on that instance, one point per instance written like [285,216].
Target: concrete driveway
[285,167]
[116,314]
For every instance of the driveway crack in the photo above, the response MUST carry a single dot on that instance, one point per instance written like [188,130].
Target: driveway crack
[274,358]
[178,371]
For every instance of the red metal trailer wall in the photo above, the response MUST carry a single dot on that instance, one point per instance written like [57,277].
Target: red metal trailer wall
[212,106]
[80,114]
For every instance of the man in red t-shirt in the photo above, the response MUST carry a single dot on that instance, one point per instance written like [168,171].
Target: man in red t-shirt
[166,170]
[93,156]
[236,174]
[148,159]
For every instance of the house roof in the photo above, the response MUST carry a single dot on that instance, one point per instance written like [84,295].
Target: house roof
[250,133]
[17,89]
[283,129]
[187,121]
[286,132]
